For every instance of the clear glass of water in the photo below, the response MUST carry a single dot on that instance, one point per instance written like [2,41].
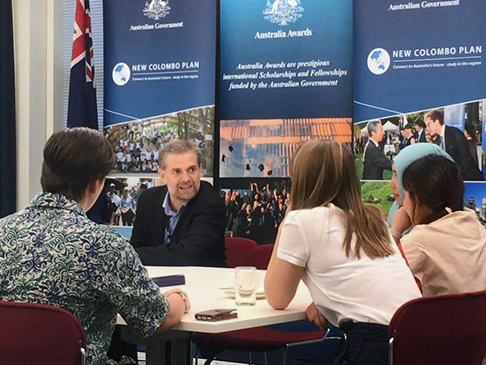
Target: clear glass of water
[245,285]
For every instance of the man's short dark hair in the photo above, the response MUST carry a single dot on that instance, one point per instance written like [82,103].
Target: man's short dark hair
[420,123]
[178,147]
[408,126]
[435,115]
[74,158]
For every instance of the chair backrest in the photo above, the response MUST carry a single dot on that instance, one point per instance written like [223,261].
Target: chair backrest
[40,334]
[260,256]
[237,250]
[446,329]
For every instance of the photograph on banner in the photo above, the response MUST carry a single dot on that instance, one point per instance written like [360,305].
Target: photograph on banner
[137,144]
[475,197]
[264,148]
[122,194]
[380,194]
[377,193]
[255,207]
[378,141]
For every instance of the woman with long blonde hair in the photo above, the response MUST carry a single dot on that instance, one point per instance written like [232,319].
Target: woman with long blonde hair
[342,249]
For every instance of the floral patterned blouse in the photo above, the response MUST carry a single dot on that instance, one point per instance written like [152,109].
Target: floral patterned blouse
[51,253]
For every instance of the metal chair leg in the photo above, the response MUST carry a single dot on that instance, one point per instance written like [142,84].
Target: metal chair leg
[83,356]
[191,349]
[285,356]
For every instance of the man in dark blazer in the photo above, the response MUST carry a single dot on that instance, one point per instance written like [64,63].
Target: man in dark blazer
[183,222]
[374,162]
[453,141]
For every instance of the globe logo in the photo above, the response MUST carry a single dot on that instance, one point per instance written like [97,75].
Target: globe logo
[121,74]
[378,61]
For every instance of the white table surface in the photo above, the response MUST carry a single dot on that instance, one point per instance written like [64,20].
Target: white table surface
[202,287]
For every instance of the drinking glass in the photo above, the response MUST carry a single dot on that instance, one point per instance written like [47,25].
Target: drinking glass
[245,285]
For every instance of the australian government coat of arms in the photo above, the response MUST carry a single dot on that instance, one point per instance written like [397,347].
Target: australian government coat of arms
[283,12]
[156,9]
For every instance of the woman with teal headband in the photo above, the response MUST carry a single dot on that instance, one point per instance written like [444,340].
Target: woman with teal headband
[412,153]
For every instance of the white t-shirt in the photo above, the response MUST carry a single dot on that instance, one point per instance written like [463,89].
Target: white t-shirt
[344,288]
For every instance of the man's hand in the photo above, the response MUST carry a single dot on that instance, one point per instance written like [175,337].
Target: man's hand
[314,316]
[433,137]
[182,295]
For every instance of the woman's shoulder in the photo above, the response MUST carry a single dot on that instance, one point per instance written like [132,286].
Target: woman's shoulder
[450,220]
[314,214]
[446,225]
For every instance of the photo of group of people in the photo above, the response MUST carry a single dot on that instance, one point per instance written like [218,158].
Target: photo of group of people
[137,144]
[256,210]
[121,197]
[456,129]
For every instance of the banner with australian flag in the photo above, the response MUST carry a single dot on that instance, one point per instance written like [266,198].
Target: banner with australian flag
[159,62]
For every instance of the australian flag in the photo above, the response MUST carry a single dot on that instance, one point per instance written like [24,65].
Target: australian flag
[82,111]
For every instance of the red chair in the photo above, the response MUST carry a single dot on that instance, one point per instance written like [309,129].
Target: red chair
[259,256]
[40,334]
[445,329]
[237,250]
[259,339]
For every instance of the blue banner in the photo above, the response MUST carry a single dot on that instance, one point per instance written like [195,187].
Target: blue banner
[414,56]
[160,62]
[286,59]
[285,78]
[159,58]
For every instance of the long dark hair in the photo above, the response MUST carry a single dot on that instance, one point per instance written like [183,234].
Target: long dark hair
[435,182]
[323,172]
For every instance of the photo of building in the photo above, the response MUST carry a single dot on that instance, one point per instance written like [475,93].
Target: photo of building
[261,148]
